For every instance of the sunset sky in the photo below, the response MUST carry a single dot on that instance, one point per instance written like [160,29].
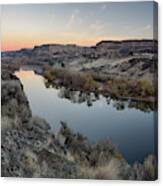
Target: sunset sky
[23,26]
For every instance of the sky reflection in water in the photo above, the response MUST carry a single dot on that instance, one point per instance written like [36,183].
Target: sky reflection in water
[130,129]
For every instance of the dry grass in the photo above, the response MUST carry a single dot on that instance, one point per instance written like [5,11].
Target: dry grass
[110,171]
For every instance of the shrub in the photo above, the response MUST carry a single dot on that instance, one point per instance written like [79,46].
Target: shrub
[150,165]
[89,83]
[146,89]
[49,75]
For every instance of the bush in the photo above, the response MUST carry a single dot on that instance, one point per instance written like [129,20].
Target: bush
[49,75]
[89,84]
[146,89]
[75,80]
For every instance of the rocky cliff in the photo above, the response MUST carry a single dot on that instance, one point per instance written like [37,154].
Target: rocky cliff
[30,149]
[128,58]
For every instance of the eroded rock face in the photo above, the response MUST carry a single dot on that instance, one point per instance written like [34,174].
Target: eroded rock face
[15,106]
[112,58]
[30,149]
[34,153]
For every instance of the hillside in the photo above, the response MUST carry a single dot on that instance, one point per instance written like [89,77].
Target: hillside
[128,58]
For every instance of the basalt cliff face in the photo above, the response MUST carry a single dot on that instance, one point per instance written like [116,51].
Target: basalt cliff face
[101,49]
[29,148]
[128,58]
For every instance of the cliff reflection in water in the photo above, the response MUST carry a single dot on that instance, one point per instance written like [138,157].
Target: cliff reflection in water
[89,98]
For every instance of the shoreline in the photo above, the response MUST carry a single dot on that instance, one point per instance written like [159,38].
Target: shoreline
[97,87]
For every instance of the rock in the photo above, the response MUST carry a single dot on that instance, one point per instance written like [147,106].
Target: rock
[40,123]
[139,171]
[150,166]
[6,75]
[15,106]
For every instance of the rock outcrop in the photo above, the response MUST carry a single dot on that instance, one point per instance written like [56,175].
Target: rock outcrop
[15,106]
[128,58]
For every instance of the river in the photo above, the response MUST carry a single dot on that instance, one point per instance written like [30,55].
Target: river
[131,129]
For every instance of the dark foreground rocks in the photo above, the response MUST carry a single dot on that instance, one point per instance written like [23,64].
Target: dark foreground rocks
[30,149]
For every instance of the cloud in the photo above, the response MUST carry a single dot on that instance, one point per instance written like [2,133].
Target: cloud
[98,28]
[142,29]
[140,32]
[74,18]
[147,27]
[71,20]
[104,6]
[76,11]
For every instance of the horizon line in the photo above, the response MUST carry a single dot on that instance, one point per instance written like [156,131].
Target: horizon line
[69,44]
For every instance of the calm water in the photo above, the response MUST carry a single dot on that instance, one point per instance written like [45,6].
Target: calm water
[130,129]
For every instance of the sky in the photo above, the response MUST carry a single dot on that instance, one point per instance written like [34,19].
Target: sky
[27,25]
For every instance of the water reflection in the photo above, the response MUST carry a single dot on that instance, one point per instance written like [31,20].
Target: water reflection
[131,129]
[90,98]
[77,96]
[143,106]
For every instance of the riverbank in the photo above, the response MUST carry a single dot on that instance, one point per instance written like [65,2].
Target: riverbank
[120,88]
[30,148]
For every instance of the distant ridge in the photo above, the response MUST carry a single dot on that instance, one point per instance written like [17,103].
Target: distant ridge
[119,42]
[126,41]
